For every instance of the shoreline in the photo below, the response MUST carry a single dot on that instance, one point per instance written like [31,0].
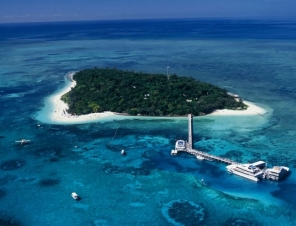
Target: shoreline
[58,113]
[252,109]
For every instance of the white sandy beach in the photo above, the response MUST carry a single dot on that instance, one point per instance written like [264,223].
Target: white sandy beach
[252,109]
[59,115]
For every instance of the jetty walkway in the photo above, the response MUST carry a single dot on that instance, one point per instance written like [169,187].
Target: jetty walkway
[202,155]
[199,154]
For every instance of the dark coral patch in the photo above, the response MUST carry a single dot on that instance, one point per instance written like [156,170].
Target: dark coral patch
[285,192]
[148,165]
[54,159]
[183,212]
[7,221]
[151,154]
[2,194]
[12,164]
[234,155]
[49,182]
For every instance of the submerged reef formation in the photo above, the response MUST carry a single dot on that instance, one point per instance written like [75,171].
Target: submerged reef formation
[183,212]
[2,194]
[48,182]
[12,164]
[8,221]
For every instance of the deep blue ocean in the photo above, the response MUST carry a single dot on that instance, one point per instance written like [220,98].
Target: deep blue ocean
[254,59]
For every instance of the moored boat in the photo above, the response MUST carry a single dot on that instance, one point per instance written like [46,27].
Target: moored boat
[199,157]
[22,141]
[74,195]
[249,171]
[276,173]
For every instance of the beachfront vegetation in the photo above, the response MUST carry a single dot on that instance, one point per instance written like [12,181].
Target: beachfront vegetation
[135,93]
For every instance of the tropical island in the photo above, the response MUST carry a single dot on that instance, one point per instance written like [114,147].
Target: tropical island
[135,93]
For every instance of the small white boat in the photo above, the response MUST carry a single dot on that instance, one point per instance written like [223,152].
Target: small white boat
[122,152]
[202,182]
[74,195]
[22,141]
[174,152]
[199,157]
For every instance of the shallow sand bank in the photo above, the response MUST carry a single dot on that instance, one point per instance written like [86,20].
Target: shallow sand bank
[252,109]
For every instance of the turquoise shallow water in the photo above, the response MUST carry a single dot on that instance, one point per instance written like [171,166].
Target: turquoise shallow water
[148,186]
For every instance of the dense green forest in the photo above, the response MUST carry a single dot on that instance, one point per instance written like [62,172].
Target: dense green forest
[135,93]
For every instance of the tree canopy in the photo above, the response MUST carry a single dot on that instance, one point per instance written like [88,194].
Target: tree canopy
[136,93]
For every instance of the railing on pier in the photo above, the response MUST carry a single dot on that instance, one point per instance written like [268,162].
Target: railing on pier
[190,150]
[208,156]
[190,131]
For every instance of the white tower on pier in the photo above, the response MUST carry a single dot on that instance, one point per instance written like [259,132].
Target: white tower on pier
[190,131]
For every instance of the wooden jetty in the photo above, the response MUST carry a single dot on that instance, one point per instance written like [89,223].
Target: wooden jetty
[199,154]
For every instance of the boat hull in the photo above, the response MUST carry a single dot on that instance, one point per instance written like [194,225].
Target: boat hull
[253,178]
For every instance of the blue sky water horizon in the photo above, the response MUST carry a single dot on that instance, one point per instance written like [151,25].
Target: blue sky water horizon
[76,10]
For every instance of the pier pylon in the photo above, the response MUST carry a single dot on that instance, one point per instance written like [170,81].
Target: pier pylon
[190,131]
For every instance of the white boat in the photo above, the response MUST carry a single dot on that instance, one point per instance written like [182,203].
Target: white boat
[199,157]
[122,152]
[259,164]
[276,172]
[22,141]
[202,182]
[174,152]
[74,195]
[180,145]
[248,171]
